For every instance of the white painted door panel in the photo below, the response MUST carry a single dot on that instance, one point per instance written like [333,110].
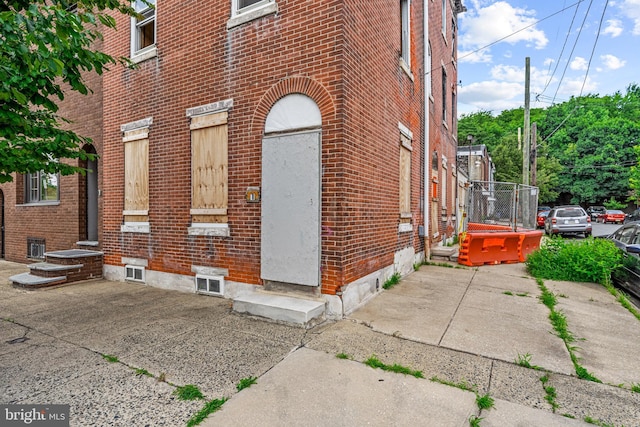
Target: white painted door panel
[290,235]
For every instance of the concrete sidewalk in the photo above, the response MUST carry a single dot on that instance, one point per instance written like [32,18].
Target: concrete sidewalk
[458,326]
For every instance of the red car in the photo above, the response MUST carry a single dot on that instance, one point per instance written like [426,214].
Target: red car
[542,215]
[612,216]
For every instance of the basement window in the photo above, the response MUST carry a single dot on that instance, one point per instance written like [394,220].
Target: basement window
[134,273]
[35,248]
[210,285]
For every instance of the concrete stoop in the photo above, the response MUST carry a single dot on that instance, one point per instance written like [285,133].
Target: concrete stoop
[61,267]
[280,308]
[449,253]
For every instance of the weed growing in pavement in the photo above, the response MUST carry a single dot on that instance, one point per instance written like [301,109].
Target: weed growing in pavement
[461,385]
[523,294]
[474,421]
[569,416]
[560,325]
[550,396]
[141,372]
[110,358]
[508,293]
[444,264]
[589,260]
[622,298]
[162,377]
[246,382]
[209,408]
[524,360]
[593,421]
[188,392]
[374,362]
[343,356]
[392,281]
[484,402]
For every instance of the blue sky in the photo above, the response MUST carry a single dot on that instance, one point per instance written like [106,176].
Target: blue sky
[560,44]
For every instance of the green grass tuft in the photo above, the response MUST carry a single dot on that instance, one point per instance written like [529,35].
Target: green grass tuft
[484,402]
[508,293]
[141,372]
[343,356]
[474,421]
[110,358]
[461,385]
[635,388]
[392,281]
[188,392]
[374,362]
[246,382]
[524,360]
[209,408]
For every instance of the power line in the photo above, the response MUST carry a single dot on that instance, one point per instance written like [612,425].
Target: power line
[595,43]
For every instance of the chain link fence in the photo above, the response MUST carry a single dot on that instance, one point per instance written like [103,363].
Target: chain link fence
[500,206]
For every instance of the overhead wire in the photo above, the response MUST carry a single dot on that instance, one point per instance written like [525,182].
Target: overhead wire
[595,43]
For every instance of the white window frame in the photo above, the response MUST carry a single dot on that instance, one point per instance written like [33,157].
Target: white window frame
[444,19]
[241,15]
[134,269]
[208,279]
[141,54]
[405,31]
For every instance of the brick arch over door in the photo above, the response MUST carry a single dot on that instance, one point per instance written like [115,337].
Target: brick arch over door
[290,85]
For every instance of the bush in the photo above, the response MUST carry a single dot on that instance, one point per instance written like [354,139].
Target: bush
[589,260]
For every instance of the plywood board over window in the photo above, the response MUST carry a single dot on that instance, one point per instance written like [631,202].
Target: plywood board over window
[209,168]
[136,175]
[405,178]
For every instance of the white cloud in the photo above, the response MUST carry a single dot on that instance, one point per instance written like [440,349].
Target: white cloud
[612,62]
[474,57]
[631,9]
[578,63]
[485,25]
[490,96]
[613,28]
[549,61]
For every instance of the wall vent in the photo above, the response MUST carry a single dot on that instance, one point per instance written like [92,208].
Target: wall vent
[134,273]
[35,248]
[210,285]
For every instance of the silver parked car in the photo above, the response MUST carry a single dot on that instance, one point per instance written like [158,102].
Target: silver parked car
[568,220]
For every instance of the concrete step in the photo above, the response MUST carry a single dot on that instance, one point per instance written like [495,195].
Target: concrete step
[449,253]
[31,281]
[278,307]
[49,267]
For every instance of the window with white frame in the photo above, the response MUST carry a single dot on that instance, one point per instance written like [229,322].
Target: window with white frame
[41,187]
[405,34]
[240,6]
[135,139]
[35,248]
[444,18]
[243,11]
[143,27]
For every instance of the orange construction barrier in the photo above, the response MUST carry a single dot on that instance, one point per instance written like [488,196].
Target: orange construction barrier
[530,242]
[478,226]
[497,247]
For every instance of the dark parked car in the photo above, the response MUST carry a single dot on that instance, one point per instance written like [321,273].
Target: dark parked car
[568,220]
[595,211]
[627,239]
[634,216]
[611,215]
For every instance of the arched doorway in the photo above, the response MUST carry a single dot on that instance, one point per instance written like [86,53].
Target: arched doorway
[291,193]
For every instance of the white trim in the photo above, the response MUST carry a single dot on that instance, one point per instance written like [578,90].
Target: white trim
[135,227]
[140,262]
[404,227]
[405,131]
[140,212]
[209,229]
[138,124]
[239,17]
[214,107]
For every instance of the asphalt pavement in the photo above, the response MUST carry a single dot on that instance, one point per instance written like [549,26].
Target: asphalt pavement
[117,353]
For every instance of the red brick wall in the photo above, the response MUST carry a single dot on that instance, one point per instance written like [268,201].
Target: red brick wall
[343,54]
[442,139]
[63,224]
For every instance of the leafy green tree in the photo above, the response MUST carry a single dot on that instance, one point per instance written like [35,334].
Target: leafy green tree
[634,178]
[46,47]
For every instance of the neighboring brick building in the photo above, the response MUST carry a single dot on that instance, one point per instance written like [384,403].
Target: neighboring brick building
[278,145]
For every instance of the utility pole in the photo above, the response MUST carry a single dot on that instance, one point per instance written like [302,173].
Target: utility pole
[534,153]
[526,146]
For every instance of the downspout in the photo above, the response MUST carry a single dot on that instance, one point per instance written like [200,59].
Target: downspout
[425,94]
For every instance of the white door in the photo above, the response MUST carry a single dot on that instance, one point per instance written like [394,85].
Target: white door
[290,247]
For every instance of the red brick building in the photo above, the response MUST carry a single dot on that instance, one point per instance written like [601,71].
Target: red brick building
[278,145]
